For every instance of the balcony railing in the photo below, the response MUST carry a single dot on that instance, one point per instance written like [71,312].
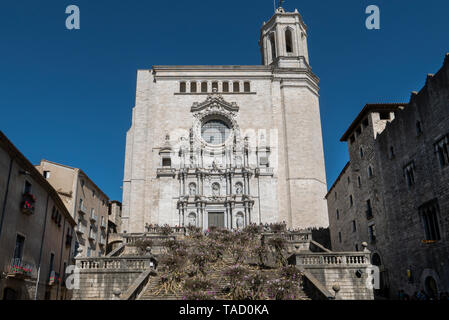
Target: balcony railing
[93,217]
[20,268]
[80,229]
[103,223]
[82,209]
[333,259]
[27,204]
[102,240]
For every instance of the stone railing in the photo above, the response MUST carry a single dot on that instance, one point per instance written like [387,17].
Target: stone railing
[115,263]
[132,238]
[103,277]
[296,241]
[345,273]
[333,259]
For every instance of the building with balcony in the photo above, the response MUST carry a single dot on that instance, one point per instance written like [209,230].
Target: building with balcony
[36,231]
[85,201]
[394,192]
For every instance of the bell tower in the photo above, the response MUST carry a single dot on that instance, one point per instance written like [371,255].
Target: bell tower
[283,40]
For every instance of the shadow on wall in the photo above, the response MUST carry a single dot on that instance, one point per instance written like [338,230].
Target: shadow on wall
[322,236]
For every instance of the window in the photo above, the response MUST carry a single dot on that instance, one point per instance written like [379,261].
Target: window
[93,193]
[273,47]
[46,174]
[89,251]
[349,180]
[429,216]
[339,237]
[351,201]
[409,173]
[372,233]
[52,262]
[354,226]
[289,41]
[166,162]
[369,209]
[203,87]
[358,131]
[215,132]
[225,86]
[361,153]
[193,87]
[359,181]
[335,195]
[27,188]
[215,86]
[356,247]
[246,87]
[236,86]
[82,183]
[182,87]
[391,152]
[18,250]
[370,172]
[442,150]
[418,128]
[338,215]
[53,213]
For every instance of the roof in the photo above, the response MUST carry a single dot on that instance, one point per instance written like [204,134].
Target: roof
[81,171]
[367,109]
[338,178]
[16,155]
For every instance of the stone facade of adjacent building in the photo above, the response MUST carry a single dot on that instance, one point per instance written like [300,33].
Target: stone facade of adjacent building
[36,231]
[86,202]
[229,145]
[394,192]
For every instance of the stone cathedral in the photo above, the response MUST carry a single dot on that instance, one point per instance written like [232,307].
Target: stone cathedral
[227,146]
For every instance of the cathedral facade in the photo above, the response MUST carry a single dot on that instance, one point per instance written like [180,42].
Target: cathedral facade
[228,146]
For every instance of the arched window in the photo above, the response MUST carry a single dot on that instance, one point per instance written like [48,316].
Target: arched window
[182,87]
[204,86]
[273,47]
[289,40]
[236,86]
[214,86]
[225,86]
[370,171]
[193,86]
[375,260]
[247,86]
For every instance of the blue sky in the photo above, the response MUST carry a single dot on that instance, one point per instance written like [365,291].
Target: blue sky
[67,96]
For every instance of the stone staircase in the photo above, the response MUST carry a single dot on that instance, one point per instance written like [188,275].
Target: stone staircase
[216,277]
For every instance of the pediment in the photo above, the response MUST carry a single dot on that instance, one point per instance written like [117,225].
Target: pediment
[215,102]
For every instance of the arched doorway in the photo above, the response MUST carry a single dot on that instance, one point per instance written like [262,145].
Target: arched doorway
[431,287]
[383,290]
[9,294]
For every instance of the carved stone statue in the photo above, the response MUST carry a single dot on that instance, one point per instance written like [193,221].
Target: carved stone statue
[238,188]
[192,189]
[215,190]
[239,221]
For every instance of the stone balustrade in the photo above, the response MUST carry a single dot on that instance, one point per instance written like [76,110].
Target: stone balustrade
[116,263]
[333,259]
